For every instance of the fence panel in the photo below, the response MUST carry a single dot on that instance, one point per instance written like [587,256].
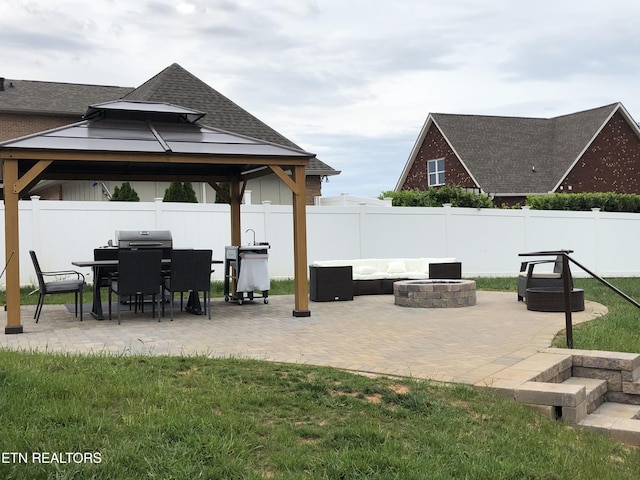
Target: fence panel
[487,241]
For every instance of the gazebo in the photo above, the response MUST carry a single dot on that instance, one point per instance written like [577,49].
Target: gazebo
[144,141]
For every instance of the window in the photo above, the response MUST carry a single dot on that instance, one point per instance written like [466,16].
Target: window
[435,171]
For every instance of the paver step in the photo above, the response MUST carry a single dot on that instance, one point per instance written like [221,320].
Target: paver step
[619,410]
[609,422]
[595,390]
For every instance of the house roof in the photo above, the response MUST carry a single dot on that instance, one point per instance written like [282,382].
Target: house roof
[516,155]
[173,85]
[176,85]
[52,98]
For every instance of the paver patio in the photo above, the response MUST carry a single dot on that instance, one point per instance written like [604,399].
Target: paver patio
[368,334]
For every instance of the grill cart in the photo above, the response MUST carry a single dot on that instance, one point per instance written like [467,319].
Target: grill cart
[247,269]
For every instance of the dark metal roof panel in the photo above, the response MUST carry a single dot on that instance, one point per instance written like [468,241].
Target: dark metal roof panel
[178,86]
[144,136]
[258,149]
[147,108]
[88,144]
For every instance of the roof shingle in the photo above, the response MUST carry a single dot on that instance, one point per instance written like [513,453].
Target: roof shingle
[178,86]
[28,96]
[520,155]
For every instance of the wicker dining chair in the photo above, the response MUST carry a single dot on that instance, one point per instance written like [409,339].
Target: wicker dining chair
[139,275]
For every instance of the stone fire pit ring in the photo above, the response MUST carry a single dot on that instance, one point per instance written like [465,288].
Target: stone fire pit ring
[434,293]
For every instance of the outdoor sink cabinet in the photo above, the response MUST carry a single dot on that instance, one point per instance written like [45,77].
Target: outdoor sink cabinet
[342,279]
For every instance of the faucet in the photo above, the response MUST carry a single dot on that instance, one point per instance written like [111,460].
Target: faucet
[254,235]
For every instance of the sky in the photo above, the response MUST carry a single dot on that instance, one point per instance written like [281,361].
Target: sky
[352,81]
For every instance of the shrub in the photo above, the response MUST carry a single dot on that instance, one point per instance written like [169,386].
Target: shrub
[180,192]
[124,193]
[606,201]
[436,197]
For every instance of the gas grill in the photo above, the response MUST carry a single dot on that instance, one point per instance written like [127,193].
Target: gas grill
[139,239]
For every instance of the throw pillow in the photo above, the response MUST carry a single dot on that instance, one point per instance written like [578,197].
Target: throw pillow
[365,270]
[396,266]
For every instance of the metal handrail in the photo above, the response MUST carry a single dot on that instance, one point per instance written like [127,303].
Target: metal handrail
[567,289]
[603,281]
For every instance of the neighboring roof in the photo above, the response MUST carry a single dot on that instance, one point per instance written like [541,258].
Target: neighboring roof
[178,86]
[500,153]
[28,96]
[173,85]
[143,128]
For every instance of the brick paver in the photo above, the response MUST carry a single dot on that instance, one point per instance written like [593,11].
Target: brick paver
[368,334]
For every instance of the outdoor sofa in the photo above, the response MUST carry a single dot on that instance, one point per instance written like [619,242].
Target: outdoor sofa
[374,276]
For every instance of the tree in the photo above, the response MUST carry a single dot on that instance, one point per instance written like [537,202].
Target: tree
[125,193]
[225,187]
[180,192]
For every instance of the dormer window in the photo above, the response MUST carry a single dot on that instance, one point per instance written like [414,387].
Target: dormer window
[435,172]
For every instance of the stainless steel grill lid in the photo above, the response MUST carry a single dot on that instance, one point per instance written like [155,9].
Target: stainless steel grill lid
[144,239]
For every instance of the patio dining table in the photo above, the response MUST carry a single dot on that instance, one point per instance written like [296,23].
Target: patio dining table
[193,303]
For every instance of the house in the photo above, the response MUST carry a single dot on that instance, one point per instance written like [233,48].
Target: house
[28,107]
[509,158]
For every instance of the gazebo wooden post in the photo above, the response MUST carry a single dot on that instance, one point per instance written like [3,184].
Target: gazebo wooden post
[234,193]
[12,246]
[301,286]
[236,235]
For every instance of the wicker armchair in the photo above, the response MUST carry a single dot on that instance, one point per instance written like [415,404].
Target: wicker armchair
[527,278]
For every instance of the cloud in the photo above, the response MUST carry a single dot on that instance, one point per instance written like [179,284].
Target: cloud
[45,43]
[351,80]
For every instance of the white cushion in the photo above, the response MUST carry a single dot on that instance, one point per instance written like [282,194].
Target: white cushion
[396,266]
[365,270]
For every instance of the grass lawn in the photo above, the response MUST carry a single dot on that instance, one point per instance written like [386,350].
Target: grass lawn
[195,417]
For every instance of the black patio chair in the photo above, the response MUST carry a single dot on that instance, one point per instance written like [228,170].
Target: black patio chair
[190,272]
[61,283]
[528,278]
[103,274]
[139,275]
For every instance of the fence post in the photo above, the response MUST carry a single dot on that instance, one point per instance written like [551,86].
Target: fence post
[525,226]
[596,244]
[362,219]
[158,212]
[35,224]
[266,218]
[447,215]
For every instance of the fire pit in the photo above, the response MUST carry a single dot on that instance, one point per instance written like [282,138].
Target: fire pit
[435,293]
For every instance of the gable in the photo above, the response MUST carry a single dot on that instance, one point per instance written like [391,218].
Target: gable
[435,146]
[611,162]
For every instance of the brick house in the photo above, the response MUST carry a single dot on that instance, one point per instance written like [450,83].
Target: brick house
[28,107]
[508,158]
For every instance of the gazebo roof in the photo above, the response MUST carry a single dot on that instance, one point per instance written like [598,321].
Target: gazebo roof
[148,140]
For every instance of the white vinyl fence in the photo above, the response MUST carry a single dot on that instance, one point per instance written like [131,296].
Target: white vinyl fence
[486,241]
